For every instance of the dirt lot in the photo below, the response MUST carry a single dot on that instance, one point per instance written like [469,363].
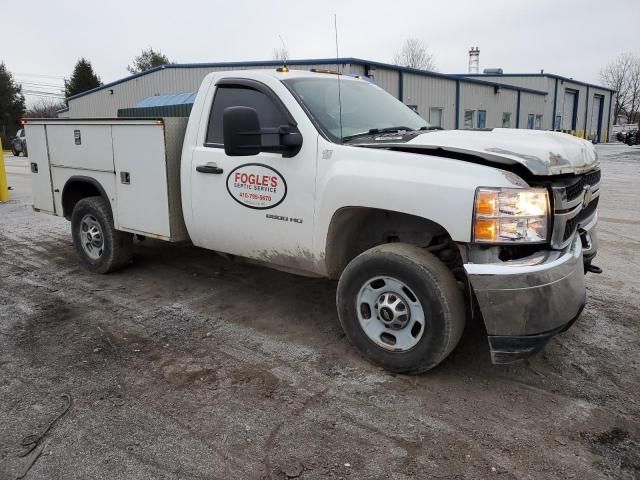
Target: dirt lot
[188,365]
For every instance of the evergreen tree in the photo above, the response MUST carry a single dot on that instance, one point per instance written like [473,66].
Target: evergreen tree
[11,105]
[149,58]
[82,79]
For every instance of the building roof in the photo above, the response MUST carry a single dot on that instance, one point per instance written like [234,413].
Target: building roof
[316,61]
[549,75]
[165,100]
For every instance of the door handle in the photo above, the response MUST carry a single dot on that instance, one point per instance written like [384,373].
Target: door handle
[209,168]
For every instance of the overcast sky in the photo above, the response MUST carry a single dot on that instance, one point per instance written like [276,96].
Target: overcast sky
[42,39]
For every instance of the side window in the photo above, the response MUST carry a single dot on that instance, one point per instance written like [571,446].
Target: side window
[469,115]
[435,117]
[539,122]
[506,120]
[269,113]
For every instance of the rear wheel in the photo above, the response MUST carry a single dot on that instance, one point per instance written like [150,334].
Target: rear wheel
[401,307]
[101,247]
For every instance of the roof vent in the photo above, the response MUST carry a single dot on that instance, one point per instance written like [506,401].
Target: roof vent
[493,71]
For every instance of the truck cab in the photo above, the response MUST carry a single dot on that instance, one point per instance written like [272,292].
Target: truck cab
[327,175]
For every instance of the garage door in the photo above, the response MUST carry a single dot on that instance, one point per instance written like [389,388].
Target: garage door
[596,117]
[568,110]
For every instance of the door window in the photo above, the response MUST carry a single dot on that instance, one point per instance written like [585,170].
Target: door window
[506,120]
[538,124]
[530,120]
[469,115]
[435,117]
[269,113]
[482,118]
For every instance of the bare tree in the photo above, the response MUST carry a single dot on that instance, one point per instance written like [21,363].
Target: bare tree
[633,108]
[45,108]
[281,54]
[415,54]
[622,75]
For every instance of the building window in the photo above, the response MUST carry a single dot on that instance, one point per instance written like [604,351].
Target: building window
[530,120]
[556,125]
[506,120]
[538,122]
[435,117]
[469,116]
[482,119]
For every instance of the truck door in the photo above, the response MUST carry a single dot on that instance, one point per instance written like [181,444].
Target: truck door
[259,206]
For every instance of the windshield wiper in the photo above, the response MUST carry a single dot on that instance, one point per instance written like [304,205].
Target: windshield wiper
[389,129]
[375,131]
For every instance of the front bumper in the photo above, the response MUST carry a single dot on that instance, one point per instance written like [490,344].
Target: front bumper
[525,302]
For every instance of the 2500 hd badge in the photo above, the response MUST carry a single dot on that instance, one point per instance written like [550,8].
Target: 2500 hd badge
[258,186]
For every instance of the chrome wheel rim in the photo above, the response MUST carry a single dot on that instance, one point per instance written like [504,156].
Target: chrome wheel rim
[91,237]
[390,314]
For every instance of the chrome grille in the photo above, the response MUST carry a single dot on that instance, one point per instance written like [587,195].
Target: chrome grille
[584,214]
[574,190]
[575,204]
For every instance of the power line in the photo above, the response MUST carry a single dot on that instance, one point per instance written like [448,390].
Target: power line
[38,75]
[43,94]
[39,84]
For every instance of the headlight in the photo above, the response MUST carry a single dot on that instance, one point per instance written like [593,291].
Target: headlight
[511,215]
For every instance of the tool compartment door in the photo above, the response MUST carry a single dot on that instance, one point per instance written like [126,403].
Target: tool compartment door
[40,171]
[141,179]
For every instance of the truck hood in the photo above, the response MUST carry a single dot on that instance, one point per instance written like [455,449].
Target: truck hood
[541,152]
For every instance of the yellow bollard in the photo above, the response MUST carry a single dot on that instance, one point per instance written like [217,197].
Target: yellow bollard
[4,190]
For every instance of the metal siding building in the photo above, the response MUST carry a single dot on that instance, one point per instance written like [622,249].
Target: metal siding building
[441,99]
[577,107]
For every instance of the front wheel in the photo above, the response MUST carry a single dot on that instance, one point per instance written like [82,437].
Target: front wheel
[101,247]
[401,307]
[15,152]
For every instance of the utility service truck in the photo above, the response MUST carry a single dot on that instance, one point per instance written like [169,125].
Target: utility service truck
[328,175]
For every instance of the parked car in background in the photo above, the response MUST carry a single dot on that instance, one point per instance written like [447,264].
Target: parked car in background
[632,138]
[619,132]
[19,144]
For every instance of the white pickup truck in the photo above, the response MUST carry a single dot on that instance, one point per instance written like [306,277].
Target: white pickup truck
[330,176]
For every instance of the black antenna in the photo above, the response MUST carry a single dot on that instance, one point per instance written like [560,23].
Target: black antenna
[335,26]
[285,51]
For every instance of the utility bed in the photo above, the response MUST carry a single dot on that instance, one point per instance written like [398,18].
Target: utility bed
[136,162]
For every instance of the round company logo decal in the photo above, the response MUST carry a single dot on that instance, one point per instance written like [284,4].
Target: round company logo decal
[256,186]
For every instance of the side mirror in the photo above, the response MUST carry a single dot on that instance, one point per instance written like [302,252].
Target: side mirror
[241,131]
[243,136]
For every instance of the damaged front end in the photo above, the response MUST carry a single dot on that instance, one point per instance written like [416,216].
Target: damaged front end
[528,295]
[526,291]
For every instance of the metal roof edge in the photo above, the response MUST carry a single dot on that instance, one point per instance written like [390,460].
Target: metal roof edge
[448,76]
[550,75]
[307,61]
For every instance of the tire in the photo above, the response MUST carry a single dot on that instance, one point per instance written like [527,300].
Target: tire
[15,152]
[426,281]
[109,249]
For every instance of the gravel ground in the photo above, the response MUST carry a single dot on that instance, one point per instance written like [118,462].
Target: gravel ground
[188,365]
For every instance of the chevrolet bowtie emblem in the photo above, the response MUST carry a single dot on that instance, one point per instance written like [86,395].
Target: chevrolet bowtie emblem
[588,195]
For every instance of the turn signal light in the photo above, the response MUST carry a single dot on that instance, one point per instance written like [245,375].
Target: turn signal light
[487,203]
[485,230]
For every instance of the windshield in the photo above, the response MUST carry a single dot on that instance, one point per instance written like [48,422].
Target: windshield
[365,107]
